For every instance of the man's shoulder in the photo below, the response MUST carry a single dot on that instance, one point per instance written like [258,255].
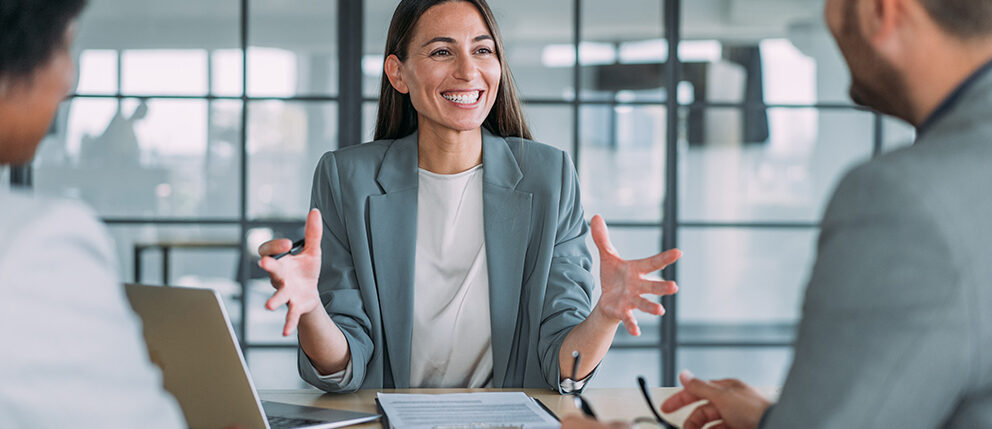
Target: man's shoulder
[29,220]
[23,210]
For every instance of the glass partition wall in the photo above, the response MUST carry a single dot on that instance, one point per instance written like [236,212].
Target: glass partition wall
[717,127]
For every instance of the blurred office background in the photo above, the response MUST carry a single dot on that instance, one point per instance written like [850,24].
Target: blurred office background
[195,127]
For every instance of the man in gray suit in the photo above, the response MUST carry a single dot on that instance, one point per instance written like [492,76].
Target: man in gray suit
[897,322]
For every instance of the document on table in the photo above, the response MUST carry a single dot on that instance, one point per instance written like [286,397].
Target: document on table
[465,411]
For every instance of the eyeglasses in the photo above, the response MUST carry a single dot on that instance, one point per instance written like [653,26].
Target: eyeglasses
[654,410]
[580,402]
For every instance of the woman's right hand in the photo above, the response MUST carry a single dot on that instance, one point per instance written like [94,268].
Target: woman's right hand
[295,276]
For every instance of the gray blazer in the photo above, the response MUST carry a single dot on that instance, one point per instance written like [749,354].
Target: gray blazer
[897,320]
[540,283]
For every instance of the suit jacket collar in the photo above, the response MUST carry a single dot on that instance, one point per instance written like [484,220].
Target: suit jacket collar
[975,89]
[400,163]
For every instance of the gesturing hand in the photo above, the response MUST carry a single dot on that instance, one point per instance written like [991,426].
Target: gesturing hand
[624,282]
[294,276]
[738,405]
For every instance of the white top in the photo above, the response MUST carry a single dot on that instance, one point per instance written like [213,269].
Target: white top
[71,349]
[451,344]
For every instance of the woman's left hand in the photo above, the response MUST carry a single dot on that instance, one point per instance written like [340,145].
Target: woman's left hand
[624,282]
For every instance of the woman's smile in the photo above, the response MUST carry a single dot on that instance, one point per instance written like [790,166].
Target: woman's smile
[464,98]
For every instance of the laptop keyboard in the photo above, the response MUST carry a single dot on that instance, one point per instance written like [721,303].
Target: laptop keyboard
[276,422]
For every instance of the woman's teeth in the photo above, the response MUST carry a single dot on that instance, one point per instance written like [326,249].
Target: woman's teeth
[462,97]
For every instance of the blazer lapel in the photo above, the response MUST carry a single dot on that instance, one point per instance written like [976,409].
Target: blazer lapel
[507,219]
[393,228]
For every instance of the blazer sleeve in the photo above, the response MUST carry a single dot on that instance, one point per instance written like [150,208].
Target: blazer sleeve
[338,285]
[568,299]
[884,339]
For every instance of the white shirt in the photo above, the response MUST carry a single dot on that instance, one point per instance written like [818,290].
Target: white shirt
[451,344]
[71,349]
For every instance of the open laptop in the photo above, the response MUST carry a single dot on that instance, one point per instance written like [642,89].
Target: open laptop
[190,337]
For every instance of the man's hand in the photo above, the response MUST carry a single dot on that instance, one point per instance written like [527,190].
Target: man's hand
[738,405]
[624,282]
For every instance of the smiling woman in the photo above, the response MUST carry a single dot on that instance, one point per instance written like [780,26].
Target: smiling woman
[451,252]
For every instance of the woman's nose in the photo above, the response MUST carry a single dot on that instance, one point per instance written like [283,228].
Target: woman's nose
[465,68]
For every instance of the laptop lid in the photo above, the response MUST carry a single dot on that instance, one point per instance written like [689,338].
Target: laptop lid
[190,338]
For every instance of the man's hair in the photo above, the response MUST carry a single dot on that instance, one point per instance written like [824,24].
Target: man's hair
[963,18]
[30,33]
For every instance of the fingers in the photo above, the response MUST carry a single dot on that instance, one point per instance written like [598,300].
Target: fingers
[277,299]
[630,323]
[269,264]
[657,262]
[650,307]
[701,416]
[275,247]
[313,231]
[292,320]
[601,237]
[679,400]
[655,287]
[698,387]
[693,390]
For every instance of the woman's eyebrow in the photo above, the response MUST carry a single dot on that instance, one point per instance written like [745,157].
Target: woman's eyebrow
[450,40]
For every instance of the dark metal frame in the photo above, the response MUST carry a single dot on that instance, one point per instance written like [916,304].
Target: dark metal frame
[350,99]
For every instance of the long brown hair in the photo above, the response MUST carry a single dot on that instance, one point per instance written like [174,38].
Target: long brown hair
[397,117]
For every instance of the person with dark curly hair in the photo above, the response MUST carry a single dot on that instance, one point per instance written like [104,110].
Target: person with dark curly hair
[72,353]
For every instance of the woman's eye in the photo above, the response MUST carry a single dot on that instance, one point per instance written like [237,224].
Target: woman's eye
[484,51]
[440,53]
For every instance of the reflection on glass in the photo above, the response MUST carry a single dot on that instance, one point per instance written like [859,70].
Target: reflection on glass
[551,125]
[369,110]
[746,165]
[97,72]
[225,72]
[632,243]
[164,71]
[622,50]
[163,46]
[764,367]
[378,13]
[620,368]
[131,159]
[795,58]
[623,161]
[302,61]
[528,27]
[285,141]
[743,276]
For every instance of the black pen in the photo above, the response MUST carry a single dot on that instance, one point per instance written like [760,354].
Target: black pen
[296,249]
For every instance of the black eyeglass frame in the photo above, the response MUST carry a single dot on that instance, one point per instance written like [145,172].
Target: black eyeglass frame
[643,384]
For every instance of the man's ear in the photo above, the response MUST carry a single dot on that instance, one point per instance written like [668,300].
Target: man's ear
[880,19]
[392,67]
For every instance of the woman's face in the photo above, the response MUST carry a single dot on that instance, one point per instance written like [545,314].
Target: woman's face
[451,72]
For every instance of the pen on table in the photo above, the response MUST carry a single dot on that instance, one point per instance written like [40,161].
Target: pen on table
[296,249]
